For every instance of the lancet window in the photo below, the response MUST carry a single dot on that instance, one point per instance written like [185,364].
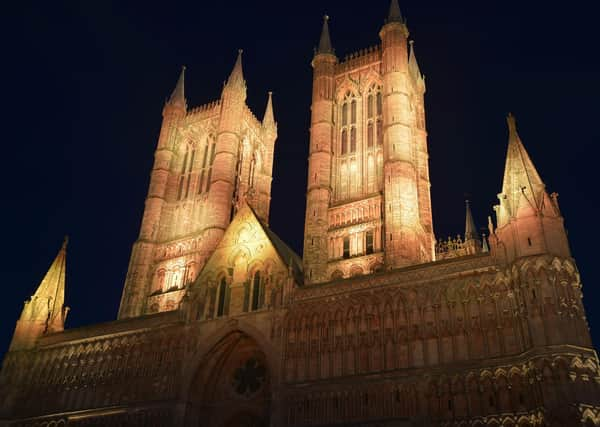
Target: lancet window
[208,158]
[223,293]
[185,175]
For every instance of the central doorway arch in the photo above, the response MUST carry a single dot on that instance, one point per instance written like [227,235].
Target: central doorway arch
[232,386]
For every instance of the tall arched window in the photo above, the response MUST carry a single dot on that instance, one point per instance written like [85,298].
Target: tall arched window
[370,106]
[186,167]
[256,291]
[353,140]
[207,163]
[344,114]
[353,112]
[370,135]
[344,141]
[222,298]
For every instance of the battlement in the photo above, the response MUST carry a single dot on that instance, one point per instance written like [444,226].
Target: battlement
[360,58]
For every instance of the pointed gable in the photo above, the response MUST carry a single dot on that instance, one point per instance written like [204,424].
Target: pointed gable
[247,237]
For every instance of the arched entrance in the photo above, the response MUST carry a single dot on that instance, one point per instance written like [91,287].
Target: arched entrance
[232,387]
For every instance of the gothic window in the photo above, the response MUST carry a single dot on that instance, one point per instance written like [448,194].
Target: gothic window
[370,135]
[353,140]
[207,163]
[369,242]
[371,178]
[346,247]
[249,378]
[186,171]
[344,141]
[379,104]
[344,114]
[223,298]
[353,112]
[344,181]
[257,292]
[370,106]
[379,132]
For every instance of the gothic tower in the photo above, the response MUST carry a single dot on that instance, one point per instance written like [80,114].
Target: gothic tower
[368,199]
[208,162]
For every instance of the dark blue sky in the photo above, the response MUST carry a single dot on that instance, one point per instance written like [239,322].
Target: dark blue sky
[84,85]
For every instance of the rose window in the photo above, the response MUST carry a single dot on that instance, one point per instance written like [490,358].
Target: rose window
[249,377]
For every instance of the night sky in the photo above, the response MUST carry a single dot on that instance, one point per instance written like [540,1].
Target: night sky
[84,85]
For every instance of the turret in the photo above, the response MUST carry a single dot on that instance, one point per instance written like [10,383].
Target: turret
[529,221]
[45,312]
[408,226]
[319,159]
[224,173]
[141,255]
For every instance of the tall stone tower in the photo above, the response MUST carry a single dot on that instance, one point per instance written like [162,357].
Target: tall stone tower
[368,200]
[208,161]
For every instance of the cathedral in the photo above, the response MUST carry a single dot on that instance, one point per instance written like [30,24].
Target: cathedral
[377,324]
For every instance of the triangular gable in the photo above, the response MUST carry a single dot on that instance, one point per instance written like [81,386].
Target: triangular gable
[247,236]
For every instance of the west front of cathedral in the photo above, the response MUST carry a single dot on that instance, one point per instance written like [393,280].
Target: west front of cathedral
[377,324]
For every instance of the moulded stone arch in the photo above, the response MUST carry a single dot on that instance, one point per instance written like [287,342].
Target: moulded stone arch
[194,361]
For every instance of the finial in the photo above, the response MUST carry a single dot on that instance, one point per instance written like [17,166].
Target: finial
[65,242]
[326,17]
[240,51]
[411,42]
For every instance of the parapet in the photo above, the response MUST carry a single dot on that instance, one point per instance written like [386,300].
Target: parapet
[360,58]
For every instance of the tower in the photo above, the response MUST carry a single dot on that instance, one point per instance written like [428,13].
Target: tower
[529,221]
[407,202]
[209,160]
[45,311]
[319,161]
[368,200]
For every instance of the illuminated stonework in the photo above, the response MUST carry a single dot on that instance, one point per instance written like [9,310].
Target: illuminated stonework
[221,326]
[209,160]
[368,178]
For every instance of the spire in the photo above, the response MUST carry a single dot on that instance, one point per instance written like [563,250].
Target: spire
[49,298]
[236,78]
[178,95]
[268,119]
[325,41]
[470,228]
[45,311]
[394,14]
[521,179]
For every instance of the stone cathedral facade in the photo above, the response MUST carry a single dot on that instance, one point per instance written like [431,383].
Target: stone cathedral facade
[378,324]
